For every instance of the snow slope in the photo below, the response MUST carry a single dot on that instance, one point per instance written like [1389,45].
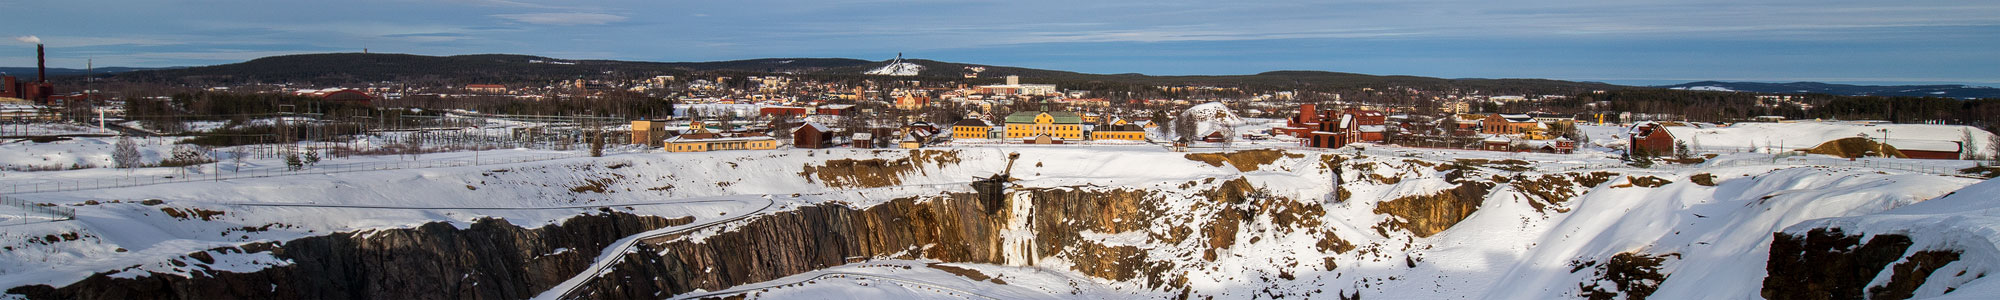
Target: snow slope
[897,69]
[1967,221]
[1718,234]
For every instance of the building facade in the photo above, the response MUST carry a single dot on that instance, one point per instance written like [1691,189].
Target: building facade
[1057,125]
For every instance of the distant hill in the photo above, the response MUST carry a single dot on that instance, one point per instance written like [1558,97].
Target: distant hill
[1951,91]
[29,72]
[346,68]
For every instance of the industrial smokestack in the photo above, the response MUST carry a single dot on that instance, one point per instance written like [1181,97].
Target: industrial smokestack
[41,64]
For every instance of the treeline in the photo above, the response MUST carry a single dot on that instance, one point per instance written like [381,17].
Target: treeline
[619,104]
[224,105]
[1710,106]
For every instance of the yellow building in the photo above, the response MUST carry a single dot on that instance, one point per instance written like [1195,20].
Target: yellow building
[971,129]
[649,132]
[1126,132]
[707,142]
[1057,125]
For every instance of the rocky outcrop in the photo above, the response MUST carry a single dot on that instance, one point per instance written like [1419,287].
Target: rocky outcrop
[1826,263]
[1246,160]
[954,228]
[492,259]
[877,172]
[1426,215]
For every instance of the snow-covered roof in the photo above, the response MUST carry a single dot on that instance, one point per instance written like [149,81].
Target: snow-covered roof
[1809,134]
[816,126]
[1374,128]
[681,139]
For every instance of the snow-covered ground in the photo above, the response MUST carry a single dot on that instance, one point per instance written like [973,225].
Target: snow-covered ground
[907,279]
[1508,249]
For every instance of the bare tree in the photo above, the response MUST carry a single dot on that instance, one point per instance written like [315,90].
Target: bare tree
[413,144]
[125,154]
[1184,129]
[237,155]
[1993,145]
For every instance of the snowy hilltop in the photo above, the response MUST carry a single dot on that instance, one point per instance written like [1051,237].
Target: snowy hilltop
[897,69]
[1211,117]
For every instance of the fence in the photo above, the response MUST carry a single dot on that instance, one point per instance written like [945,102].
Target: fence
[1880,164]
[53,212]
[323,168]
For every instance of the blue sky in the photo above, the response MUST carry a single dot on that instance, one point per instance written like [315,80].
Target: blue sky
[1620,41]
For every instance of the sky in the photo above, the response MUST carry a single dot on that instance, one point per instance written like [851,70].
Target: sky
[1617,41]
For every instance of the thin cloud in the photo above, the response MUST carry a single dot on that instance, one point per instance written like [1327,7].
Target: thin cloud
[565,19]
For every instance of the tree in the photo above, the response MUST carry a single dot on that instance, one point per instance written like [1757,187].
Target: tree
[293,163]
[1228,131]
[1639,157]
[596,143]
[237,155]
[1993,145]
[311,158]
[413,144]
[1184,129]
[125,154]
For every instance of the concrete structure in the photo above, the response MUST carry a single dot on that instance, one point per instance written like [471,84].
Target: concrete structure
[1509,124]
[1014,87]
[37,91]
[649,132]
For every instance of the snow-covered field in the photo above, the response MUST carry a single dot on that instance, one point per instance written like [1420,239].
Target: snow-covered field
[1512,247]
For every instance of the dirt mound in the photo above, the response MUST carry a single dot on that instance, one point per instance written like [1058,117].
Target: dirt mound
[1246,160]
[876,172]
[1856,147]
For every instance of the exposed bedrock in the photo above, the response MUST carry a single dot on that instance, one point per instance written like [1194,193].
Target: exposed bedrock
[492,259]
[1826,263]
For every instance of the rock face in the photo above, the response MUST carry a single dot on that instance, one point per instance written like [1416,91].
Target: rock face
[1830,264]
[492,259]
[956,228]
[1065,222]
[1426,215]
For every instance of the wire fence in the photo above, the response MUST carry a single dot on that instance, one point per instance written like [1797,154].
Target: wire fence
[24,129]
[30,209]
[225,174]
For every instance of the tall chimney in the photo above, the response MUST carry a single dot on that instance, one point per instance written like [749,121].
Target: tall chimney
[41,64]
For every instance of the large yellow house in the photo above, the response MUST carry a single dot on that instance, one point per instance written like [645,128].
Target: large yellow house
[708,142]
[1126,132]
[699,139]
[1057,125]
[971,129]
